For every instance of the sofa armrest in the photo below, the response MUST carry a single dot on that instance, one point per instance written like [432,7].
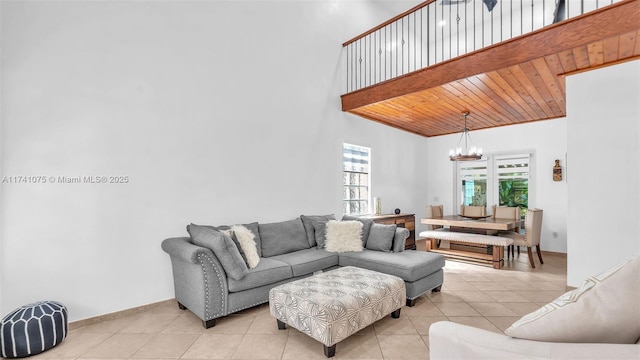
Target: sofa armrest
[399,239]
[180,248]
[448,340]
[199,280]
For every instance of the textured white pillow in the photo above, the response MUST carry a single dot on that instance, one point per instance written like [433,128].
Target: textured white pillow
[246,238]
[343,236]
[604,309]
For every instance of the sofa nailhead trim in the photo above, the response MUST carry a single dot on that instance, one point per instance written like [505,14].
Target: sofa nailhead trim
[201,258]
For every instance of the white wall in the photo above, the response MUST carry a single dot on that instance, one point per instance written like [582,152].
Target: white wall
[218,112]
[545,139]
[603,169]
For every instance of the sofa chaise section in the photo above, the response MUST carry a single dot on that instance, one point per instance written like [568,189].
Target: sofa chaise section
[421,271]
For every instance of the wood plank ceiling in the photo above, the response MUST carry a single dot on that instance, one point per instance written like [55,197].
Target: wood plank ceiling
[517,81]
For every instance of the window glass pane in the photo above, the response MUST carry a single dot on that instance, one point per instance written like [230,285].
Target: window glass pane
[473,181]
[364,193]
[513,181]
[363,205]
[514,193]
[353,208]
[364,180]
[475,192]
[353,178]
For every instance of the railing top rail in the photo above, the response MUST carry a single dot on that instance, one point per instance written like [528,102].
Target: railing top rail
[390,21]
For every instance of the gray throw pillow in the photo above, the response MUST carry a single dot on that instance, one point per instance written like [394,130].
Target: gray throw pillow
[253,227]
[223,247]
[381,237]
[228,232]
[307,222]
[399,239]
[320,233]
[233,237]
[366,226]
[283,237]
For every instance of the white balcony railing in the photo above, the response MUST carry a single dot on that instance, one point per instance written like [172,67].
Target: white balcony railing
[439,30]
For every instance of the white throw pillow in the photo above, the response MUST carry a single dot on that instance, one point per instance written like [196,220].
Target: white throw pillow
[343,236]
[604,309]
[247,242]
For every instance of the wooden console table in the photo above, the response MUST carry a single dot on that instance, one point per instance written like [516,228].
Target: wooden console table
[407,221]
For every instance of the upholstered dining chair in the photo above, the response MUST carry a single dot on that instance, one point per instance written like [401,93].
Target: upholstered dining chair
[437,211]
[531,237]
[507,212]
[434,211]
[473,210]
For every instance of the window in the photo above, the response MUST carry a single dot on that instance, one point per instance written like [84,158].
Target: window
[512,174]
[355,179]
[502,180]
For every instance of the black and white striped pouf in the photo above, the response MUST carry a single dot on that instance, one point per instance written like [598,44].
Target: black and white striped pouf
[32,329]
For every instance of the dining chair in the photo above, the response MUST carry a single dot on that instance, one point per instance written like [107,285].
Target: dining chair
[437,211]
[434,211]
[473,210]
[531,236]
[510,213]
[505,212]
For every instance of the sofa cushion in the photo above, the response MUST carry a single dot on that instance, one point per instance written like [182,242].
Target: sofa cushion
[253,227]
[343,236]
[307,222]
[223,247]
[410,265]
[308,261]
[366,226]
[381,237]
[283,237]
[267,272]
[604,309]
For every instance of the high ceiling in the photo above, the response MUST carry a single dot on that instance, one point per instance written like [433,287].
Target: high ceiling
[517,81]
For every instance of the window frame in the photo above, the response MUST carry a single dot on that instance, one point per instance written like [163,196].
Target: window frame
[493,178]
[347,208]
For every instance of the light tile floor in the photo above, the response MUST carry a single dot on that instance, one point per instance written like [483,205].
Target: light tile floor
[473,295]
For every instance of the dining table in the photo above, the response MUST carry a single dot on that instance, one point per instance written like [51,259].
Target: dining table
[481,223]
[482,227]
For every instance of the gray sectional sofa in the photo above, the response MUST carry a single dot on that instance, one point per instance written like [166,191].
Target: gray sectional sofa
[288,251]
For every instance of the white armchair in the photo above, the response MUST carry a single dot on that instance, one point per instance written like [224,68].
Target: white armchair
[448,340]
[598,320]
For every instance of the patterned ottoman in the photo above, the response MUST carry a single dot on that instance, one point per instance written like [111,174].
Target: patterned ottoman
[333,305]
[32,329]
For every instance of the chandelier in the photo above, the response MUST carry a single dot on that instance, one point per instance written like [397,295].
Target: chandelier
[466,151]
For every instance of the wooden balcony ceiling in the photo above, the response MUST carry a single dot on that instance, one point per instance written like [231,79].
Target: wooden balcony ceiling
[517,81]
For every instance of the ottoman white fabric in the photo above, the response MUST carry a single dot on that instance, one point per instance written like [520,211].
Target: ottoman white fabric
[333,305]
